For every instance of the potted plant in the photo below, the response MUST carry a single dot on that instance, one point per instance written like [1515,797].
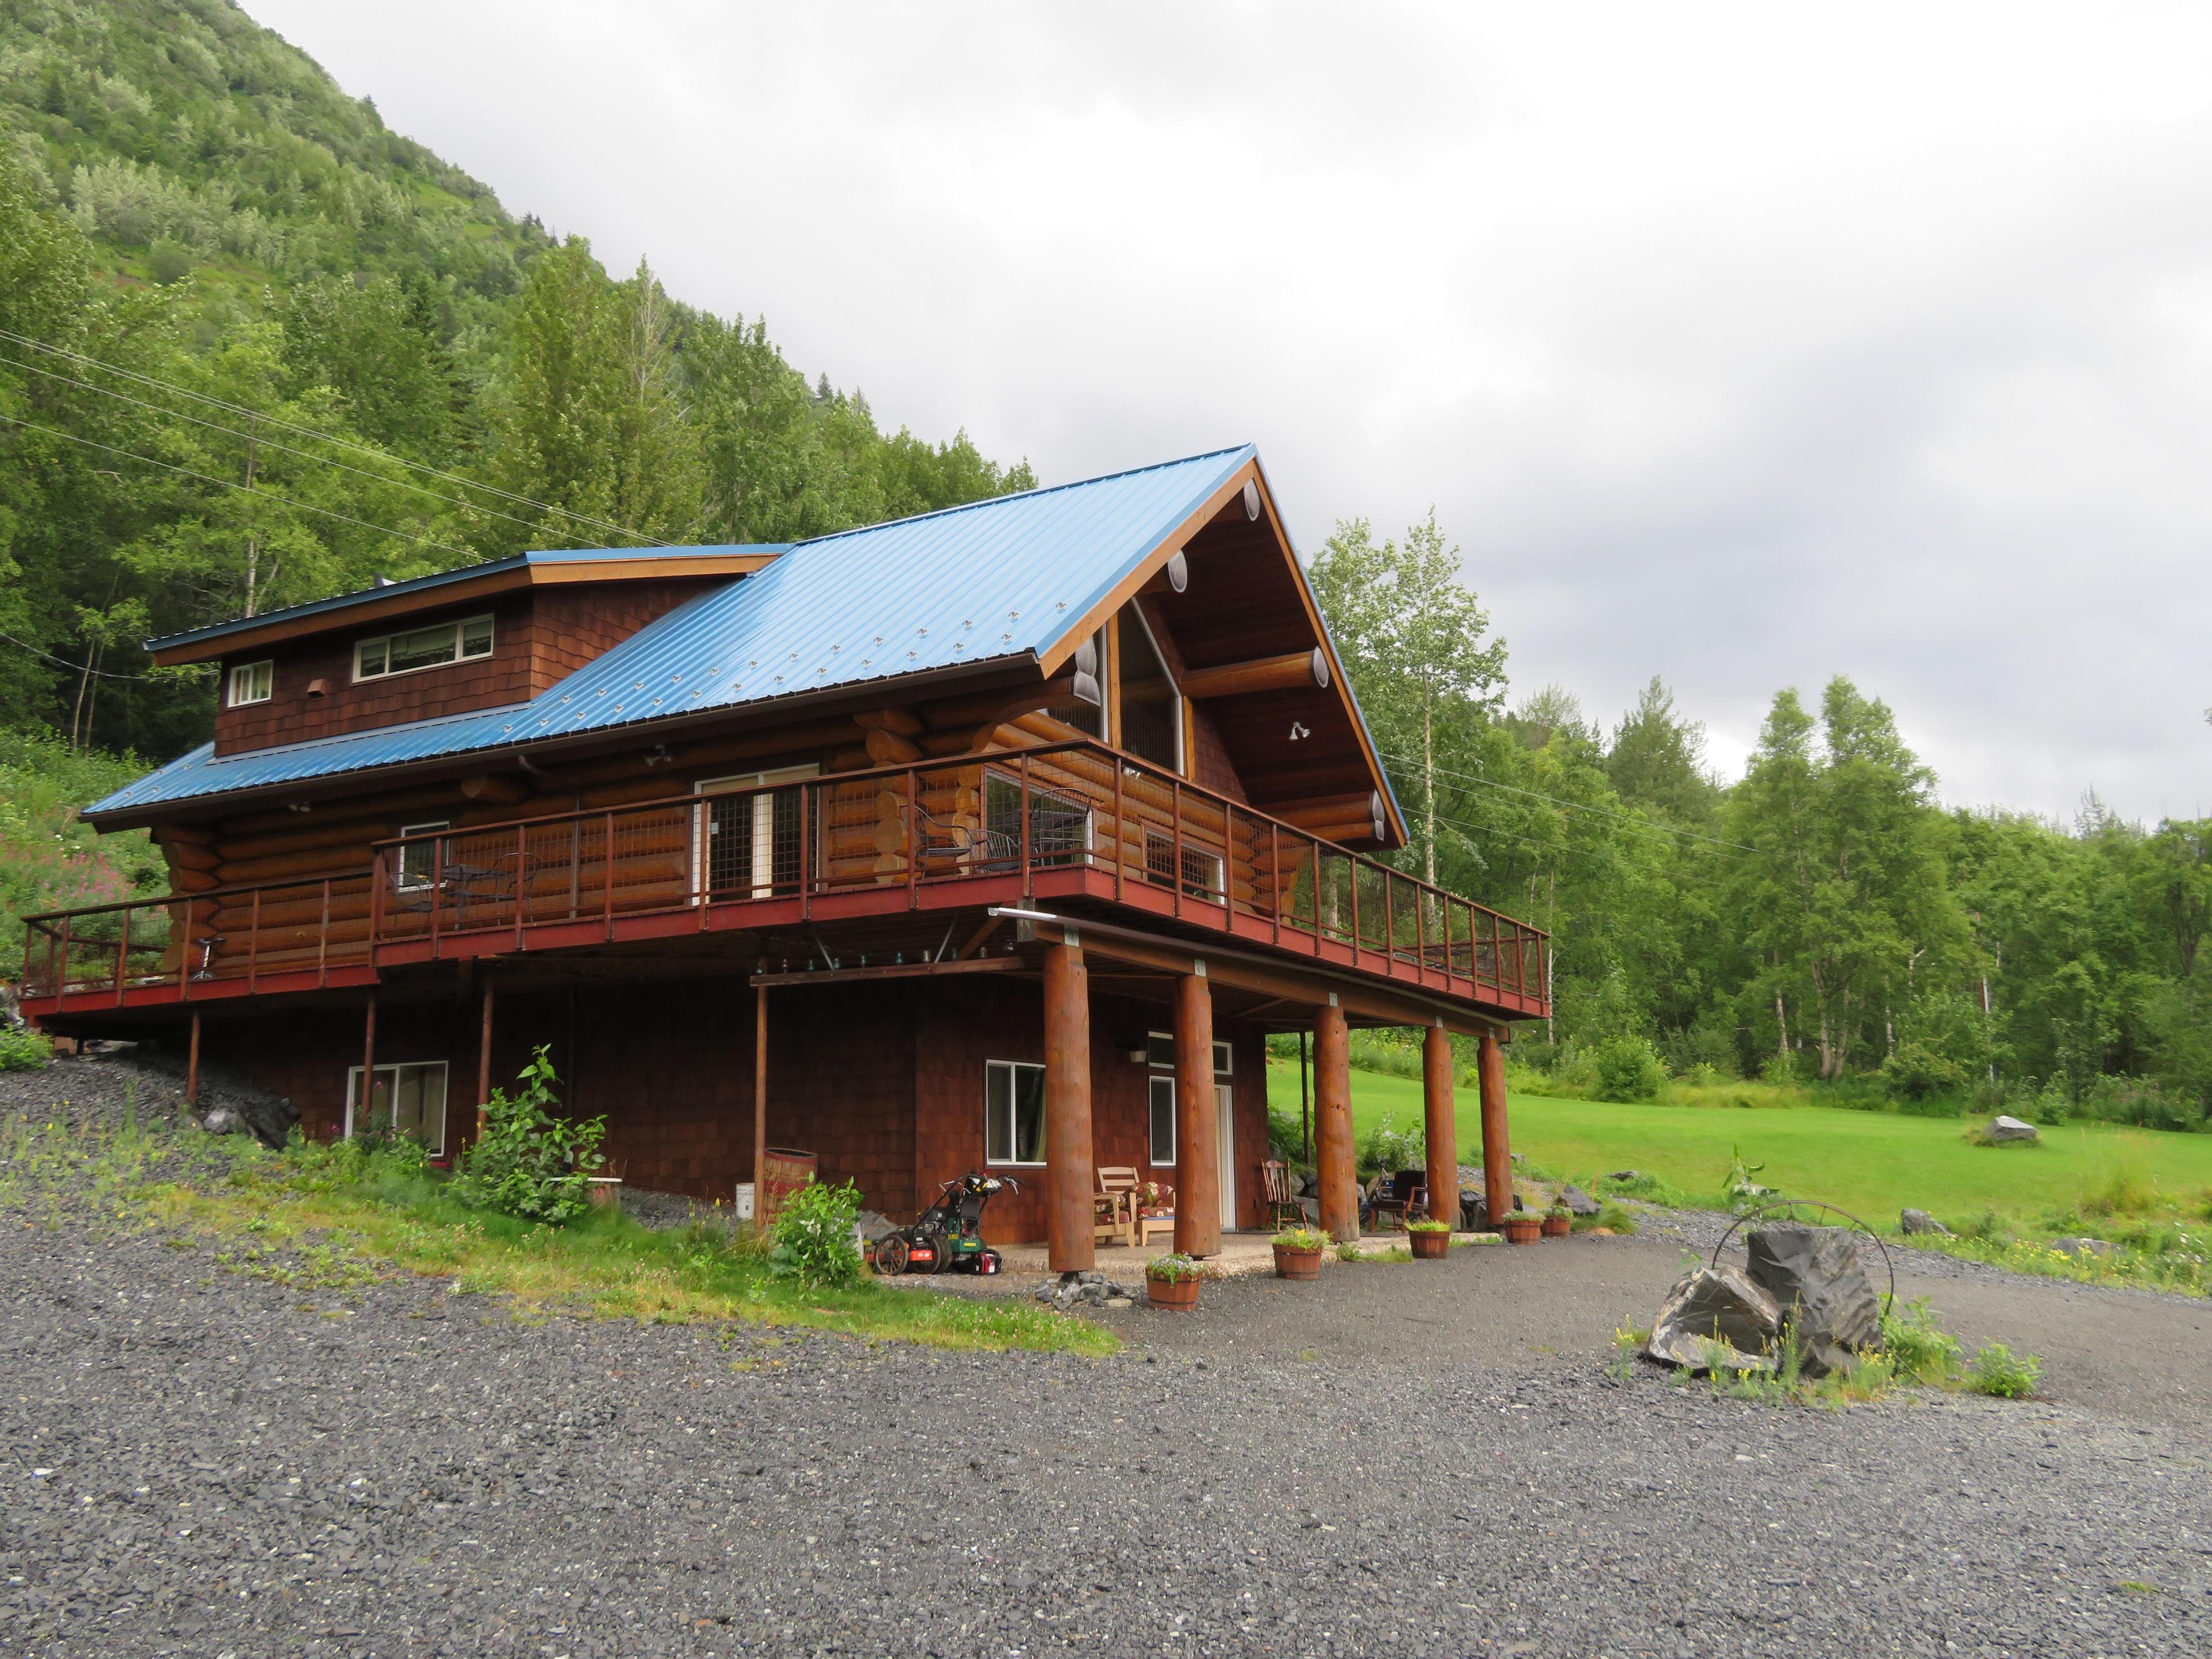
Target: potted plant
[1559,1221]
[1520,1227]
[1297,1252]
[1171,1281]
[1429,1239]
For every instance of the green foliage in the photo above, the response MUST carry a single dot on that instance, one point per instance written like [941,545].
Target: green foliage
[22,1049]
[1300,1238]
[1348,1250]
[813,1236]
[1628,1068]
[1919,1349]
[1428,1226]
[1174,1269]
[1386,1148]
[1739,1188]
[1996,1370]
[49,861]
[529,1162]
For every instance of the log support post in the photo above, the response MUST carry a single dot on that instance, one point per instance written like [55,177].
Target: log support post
[1071,1243]
[365,1102]
[192,1064]
[483,1064]
[760,1107]
[1442,1125]
[1198,1158]
[1496,1154]
[1336,1170]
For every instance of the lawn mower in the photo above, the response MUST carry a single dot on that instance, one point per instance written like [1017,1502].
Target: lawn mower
[949,1236]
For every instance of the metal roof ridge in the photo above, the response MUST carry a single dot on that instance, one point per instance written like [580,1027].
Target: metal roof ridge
[1247,447]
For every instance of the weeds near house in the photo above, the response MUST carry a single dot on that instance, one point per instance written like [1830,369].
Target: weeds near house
[528,1163]
[1348,1250]
[1627,1343]
[22,1049]
[813,1233]
[1919,1349]
[338,1217]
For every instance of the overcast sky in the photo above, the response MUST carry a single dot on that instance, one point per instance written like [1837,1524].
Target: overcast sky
[1745,345]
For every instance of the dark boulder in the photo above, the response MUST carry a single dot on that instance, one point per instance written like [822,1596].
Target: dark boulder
[1717,1316]
[1579,1202]
[1919,1221]
[1815,1277]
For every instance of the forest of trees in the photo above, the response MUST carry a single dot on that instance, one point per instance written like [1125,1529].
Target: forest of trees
[255,348]
[1823,920]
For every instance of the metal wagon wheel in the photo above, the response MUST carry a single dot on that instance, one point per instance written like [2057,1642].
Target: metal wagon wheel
[1889,1301]
[892,1255]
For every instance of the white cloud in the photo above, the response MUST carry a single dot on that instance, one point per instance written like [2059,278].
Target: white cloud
[1741,344]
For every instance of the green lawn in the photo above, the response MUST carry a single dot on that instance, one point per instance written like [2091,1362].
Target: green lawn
[1873,1164]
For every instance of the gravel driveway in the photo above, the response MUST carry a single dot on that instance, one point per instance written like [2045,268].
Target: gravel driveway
[1402,1456]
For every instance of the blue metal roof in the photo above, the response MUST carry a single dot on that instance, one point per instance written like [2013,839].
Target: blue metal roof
[460,573]
[1003,578]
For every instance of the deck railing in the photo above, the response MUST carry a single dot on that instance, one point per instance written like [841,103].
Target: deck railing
[1010,818]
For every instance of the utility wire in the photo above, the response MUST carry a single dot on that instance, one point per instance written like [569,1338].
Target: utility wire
[255,438]
[1572,806]
[309,431]
[228,484]
[73,667]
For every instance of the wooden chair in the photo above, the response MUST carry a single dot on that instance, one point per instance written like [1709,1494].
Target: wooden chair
[1283,1209]
[1395,1196]
[1161,1218]
[1114,1206]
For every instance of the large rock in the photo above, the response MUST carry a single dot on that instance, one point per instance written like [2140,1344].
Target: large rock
[1814,1276]
[1919,1221]
[1716,1306]
[1474,1212]
[2082,1246]
[1579,1202]
[2002,1129]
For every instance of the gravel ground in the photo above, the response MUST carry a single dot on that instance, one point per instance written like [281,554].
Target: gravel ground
[207,1463]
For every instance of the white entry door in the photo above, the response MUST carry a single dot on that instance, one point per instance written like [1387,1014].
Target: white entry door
[1225,1129]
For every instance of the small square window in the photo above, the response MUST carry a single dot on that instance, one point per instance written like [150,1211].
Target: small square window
[418,860]
[1224,1059]
[1159,1049]
[252,682]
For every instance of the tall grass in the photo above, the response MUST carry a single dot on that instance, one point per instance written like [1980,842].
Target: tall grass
[50,860]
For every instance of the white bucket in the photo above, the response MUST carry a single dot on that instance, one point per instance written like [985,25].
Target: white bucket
[744,1200]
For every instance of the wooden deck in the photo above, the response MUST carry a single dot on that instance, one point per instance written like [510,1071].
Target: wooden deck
[1070,824]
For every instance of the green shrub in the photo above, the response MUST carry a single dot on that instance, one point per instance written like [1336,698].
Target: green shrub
[1428,1226]
[1919,1349]
[1997,1369]
[22,1049]
[1173,1269]
[528,1163]
[1388,1148]
[813,1237]
[1300,1238]
[1628,1068]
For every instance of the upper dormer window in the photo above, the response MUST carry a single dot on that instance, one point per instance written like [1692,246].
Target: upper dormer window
[422,648]
[252,682]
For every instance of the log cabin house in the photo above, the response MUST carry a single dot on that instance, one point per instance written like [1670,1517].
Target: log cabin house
[999,836]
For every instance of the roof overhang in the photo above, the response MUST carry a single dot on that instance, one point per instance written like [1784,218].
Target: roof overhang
[466,585]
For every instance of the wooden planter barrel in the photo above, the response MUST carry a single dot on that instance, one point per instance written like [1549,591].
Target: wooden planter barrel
[1180,1294]
[1521,1229]
[1297,1264]
[1558,1227]
[1429,1247]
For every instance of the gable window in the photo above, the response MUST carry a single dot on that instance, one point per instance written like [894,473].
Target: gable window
[422,648]
[418,860]
[406,1100]
[1152,707]
[252,682]
[1014,1112]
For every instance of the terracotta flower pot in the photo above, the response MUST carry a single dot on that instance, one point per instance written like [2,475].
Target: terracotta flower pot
[1521,1229]
[1181,1293]
[1429,1247]
[1297,1264]
[1558,1227]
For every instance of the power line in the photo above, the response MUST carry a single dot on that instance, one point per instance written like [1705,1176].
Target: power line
[73,667]
[1572,806]
[255,438]
[309,431]
[243,490]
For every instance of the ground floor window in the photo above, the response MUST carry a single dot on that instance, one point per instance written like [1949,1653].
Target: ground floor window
[406,1099]
[1164,1121]
[1014,1112]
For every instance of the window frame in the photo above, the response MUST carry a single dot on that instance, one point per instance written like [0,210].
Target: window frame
[422,880]
[1013,1069]
[1162,1042]
[1160,1085]
[764,787]
[459,625]
[353,1093]
[266,667]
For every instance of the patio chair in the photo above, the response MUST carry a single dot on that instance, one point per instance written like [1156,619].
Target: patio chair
[1395,1196]
[1155,1217]
[1281,1198]
[1114,1206]
[944,845]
